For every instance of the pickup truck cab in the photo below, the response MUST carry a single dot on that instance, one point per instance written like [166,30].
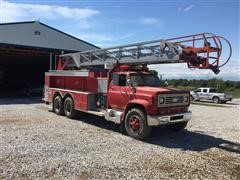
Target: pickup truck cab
[207,93]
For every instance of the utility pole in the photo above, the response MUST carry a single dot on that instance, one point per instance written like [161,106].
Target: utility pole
[160,76]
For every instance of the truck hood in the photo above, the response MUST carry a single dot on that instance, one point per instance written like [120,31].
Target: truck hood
[154,90]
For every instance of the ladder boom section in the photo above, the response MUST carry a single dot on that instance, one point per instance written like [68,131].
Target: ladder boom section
[152,52]
[201,51]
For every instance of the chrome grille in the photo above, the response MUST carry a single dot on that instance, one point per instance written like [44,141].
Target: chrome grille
[174,99]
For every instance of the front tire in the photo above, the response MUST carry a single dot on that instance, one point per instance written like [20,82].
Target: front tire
[177,126]
[136,124]
[57,105]
[216,100]
[69,110]
[191,98]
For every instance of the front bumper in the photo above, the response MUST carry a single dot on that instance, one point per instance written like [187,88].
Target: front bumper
[161,120]
[226,99]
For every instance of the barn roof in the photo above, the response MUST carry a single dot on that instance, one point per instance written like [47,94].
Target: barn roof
[37,35]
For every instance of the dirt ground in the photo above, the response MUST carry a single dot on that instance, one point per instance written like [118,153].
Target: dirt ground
[36,143]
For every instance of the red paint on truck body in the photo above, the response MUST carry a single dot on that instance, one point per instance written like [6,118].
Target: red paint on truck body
[85,89]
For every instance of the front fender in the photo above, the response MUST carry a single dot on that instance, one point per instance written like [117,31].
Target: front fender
[136,102]
[141,102]
[194,95]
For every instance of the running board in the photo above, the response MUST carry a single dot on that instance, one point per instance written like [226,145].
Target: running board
[109,115]
[113,115]
[96,113]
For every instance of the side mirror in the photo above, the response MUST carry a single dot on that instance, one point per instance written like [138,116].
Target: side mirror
[129,82]
[165,84]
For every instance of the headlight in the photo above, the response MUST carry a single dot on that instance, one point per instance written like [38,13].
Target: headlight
[160,100]
[185,98]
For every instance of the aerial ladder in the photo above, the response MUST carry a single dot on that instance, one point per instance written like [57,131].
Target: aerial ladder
[202,51]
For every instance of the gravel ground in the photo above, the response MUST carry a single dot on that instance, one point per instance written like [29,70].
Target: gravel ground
[36,143]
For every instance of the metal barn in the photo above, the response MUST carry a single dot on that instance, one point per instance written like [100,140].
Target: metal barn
[26,50]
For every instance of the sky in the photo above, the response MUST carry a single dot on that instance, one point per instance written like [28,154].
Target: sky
[107,23]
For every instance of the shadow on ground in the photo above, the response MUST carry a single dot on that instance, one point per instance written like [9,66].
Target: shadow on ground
[190,140]
[161,136]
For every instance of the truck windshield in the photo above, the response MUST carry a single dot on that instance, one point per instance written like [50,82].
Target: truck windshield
[145,80]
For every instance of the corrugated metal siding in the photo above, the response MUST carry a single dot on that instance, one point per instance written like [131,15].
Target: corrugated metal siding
[24,34]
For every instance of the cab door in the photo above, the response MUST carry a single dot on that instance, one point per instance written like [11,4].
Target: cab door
[198,93]
[204,94]
[118,92]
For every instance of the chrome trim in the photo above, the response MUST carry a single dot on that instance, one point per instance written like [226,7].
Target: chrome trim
[171,104]
[113,115]
[71,91]
[96,113]
[161,120]
[67,73]
[46,92]
[102,85]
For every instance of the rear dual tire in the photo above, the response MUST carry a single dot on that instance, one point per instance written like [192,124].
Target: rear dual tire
[68,107]
[64,108]
[57,105]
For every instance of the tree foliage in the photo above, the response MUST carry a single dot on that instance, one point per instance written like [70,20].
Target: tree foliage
[219,84]
[153,72]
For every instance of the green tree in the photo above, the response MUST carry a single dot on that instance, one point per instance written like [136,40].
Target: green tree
[154,72]
[220,85]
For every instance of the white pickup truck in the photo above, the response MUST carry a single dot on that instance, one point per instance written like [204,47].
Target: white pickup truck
[206,93]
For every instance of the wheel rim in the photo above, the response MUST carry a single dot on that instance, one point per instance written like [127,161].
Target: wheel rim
[57,105]
[68,107]
[134,123]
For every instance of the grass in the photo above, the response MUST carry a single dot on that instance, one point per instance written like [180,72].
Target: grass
[235,93]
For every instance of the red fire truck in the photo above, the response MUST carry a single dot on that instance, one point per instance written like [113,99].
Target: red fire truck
[116,84]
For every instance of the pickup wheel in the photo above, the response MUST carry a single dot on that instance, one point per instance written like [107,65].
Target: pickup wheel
[177,126]
[69,110]
[57,105]
[191,98]
[136,124]
[216,100]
